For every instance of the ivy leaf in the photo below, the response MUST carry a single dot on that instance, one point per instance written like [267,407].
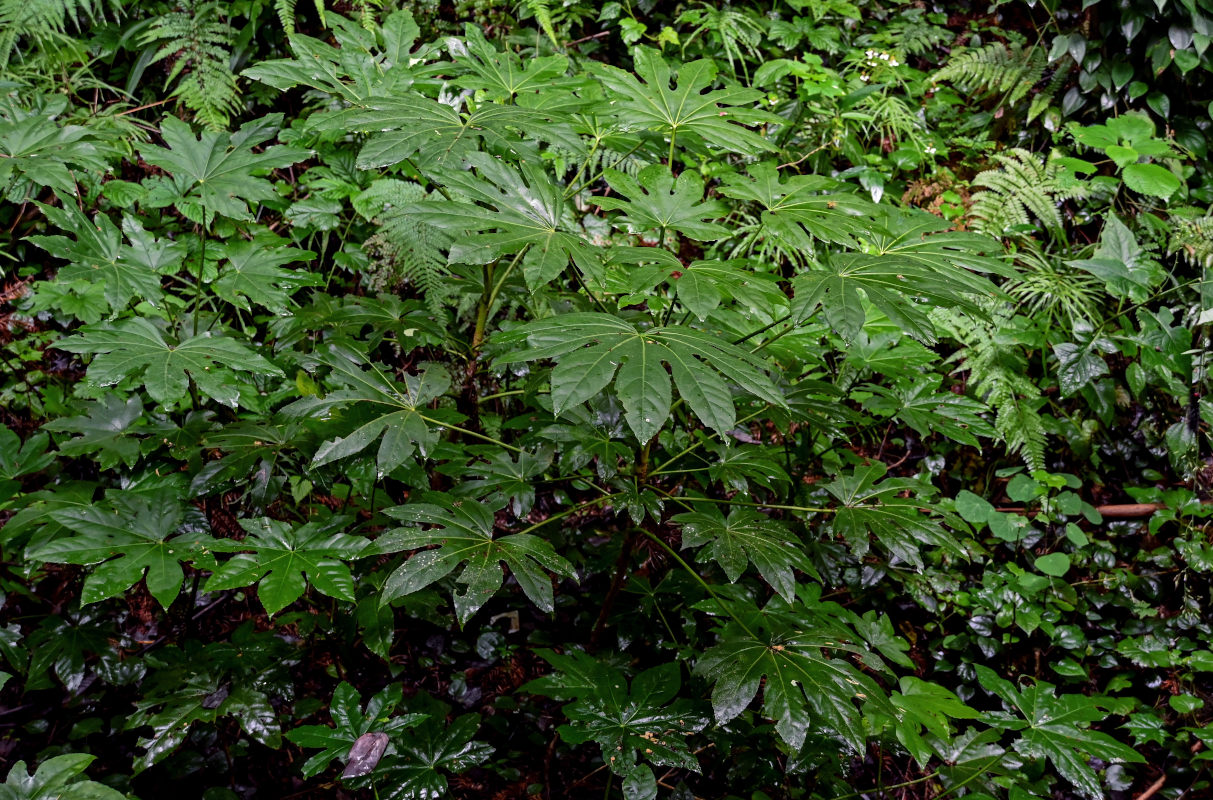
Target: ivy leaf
[464,532]
[747,536]
[134,348]
[398,414]
[98,255]
[790,654]
[908,263]
[802,208]
[350,722]
[1057,728]
[218,172]
[128,536]
[657,202]
[283,554]
[521,210]
[898,524]
[590,348]
[685,113]
[629,724]
[252,273]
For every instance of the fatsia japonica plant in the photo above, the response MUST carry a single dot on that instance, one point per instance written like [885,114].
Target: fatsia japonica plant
[544,351]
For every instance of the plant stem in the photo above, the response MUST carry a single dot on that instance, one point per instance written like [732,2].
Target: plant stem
[699,578]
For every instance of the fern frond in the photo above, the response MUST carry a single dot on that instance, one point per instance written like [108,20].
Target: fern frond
[200,42]
[998,373]
[996,68]
[404,251]
[1022,188]
[1193,238]
[46,20]
[541,10]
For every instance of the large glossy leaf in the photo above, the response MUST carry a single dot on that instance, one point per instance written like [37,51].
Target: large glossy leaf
[686,112]
[130,537]
[393,414]
[747,537]
[215,172]
[797,656]
[136,349]
[97,254]
[657,202]
[463,531]
[908,263]
[1057,728]
[509,210]
[874,508]
[591,350]
[285,559]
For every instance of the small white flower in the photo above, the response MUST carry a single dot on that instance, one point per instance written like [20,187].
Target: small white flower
[894,63]
[930,150]
[864,77]
[884,56]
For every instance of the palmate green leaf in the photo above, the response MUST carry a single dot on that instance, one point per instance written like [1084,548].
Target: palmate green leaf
[657,202]
[36,149]
[503,479]
[685,114]
[518,210]
[252,273]
[795,652]
[282,555]
[869,510]
[747,536]
[395,415]
[590,348]
[356,70]
[803,208]
[501,74]
[641,723]
[218,173]
[925,708]
[909,263]
[130,537]
[97,255]
[351,721]
[103,430]
[136,349]
[701,286]
[927,409]
[463,531]
[1057,728]
[417,771]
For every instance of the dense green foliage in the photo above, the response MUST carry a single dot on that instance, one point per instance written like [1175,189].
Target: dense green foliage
[694,400]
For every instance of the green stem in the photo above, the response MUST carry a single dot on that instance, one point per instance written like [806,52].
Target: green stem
[748,504]
[474,434]
[201,269]
[504,276]
[694,574]
[568,512]
[661,468]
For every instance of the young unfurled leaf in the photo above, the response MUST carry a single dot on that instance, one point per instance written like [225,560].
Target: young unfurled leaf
[747,536]
[1057,728]
[283,554]
[135,348]
[464,532]
[898,524]
[590,348]
[631,724]
[129,535]
[686,114]
[656,202]
[350,723]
